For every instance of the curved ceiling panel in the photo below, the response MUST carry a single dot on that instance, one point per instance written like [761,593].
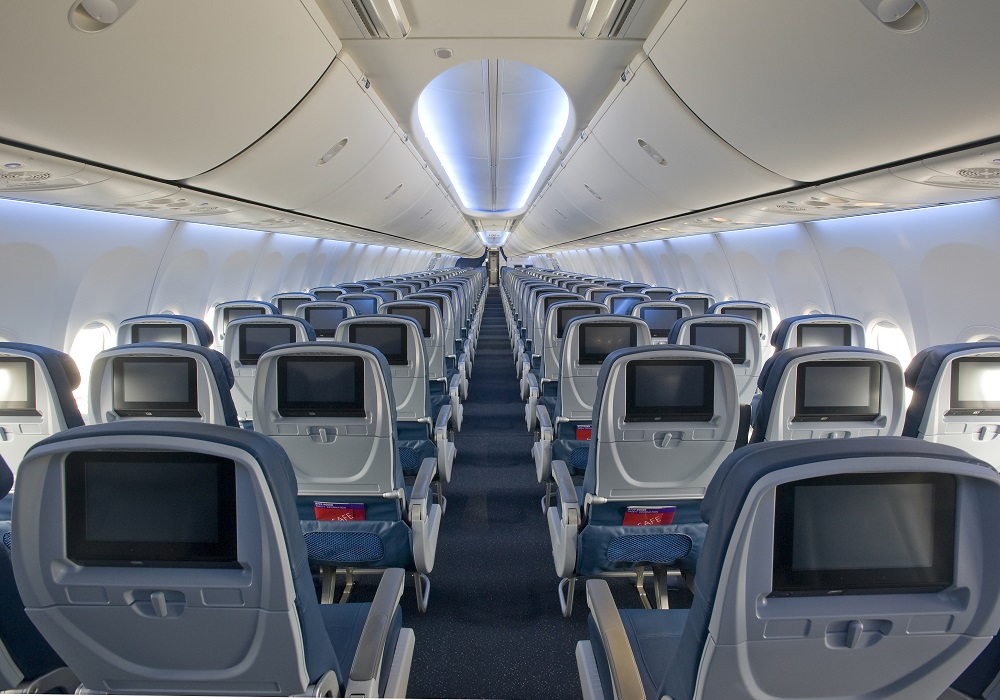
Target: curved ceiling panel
[331,135]
[170,90]
[655,137]
[825,90]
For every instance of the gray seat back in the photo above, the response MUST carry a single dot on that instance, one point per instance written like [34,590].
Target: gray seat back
[162,381]
[553,332]
[624,302]
[330,406]
[247,339]
[587,341]
[736,337]
[757,311]
[363,302]
[700,302]
[665,418]
[815,330]
[868,562]
[165,328]
[956,398]
[229,311]
[36,399]
[172,564]
[427,314]
[287,302]
[661,316]
[325,316]
[829,392]
[401,341]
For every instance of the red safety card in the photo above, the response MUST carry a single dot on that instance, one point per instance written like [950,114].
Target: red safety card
[339,511]
[649,515]
[583,432]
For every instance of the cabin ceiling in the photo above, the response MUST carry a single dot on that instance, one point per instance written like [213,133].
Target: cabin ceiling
[709,115]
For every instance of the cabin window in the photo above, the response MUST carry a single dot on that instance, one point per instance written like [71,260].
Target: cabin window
[92,339]
[889,338]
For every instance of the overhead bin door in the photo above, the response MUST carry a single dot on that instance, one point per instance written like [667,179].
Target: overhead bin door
[812,90]
[170,90]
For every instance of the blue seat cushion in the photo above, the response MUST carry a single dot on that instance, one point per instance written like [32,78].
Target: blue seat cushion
[27,648]
[345,623]
[654,636]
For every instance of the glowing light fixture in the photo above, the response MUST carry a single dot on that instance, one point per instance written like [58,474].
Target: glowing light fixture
[493,238]
[493,125]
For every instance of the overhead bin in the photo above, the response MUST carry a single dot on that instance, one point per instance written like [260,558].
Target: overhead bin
[557,219]
[655,138]
[330,136]
[822,89]
[605,192]
[170,90]
[385,188]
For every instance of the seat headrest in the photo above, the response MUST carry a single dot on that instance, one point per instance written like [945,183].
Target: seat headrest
[64,374]
[780,334]
[203,334]
[6,478]
[922,373]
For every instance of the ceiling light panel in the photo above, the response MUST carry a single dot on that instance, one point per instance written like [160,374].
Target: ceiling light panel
[493,125]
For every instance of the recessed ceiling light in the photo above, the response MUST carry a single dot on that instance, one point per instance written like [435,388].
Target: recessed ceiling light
[444,53]
[12,165]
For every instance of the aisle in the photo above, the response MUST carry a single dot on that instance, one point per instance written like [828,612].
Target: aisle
[493,628]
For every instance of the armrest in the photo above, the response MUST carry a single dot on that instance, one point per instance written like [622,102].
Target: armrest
[445,448]
[530,418]
[542,450]
[371,646]
[625,677]
[420,495]
[564,522]
[454,391]
[425,518]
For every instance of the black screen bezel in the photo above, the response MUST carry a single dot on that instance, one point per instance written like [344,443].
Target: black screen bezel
[562,321]
[687,302]
[305,409]
[158,409]
[788,582]
[368,300]
[137,328]
[658,332]
[742,311]
[408,311]
[956,370]
[585,358]
[845,328]
[28,407]
[741,351]
[839,413]
[324,294]
[670,414]
[128,553]
[252,359]
[245,312]
[324,332]
[393,359]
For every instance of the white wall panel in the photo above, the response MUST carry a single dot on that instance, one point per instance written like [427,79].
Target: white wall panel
[933,271]
[61,269]
[703,266]
[203,266]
